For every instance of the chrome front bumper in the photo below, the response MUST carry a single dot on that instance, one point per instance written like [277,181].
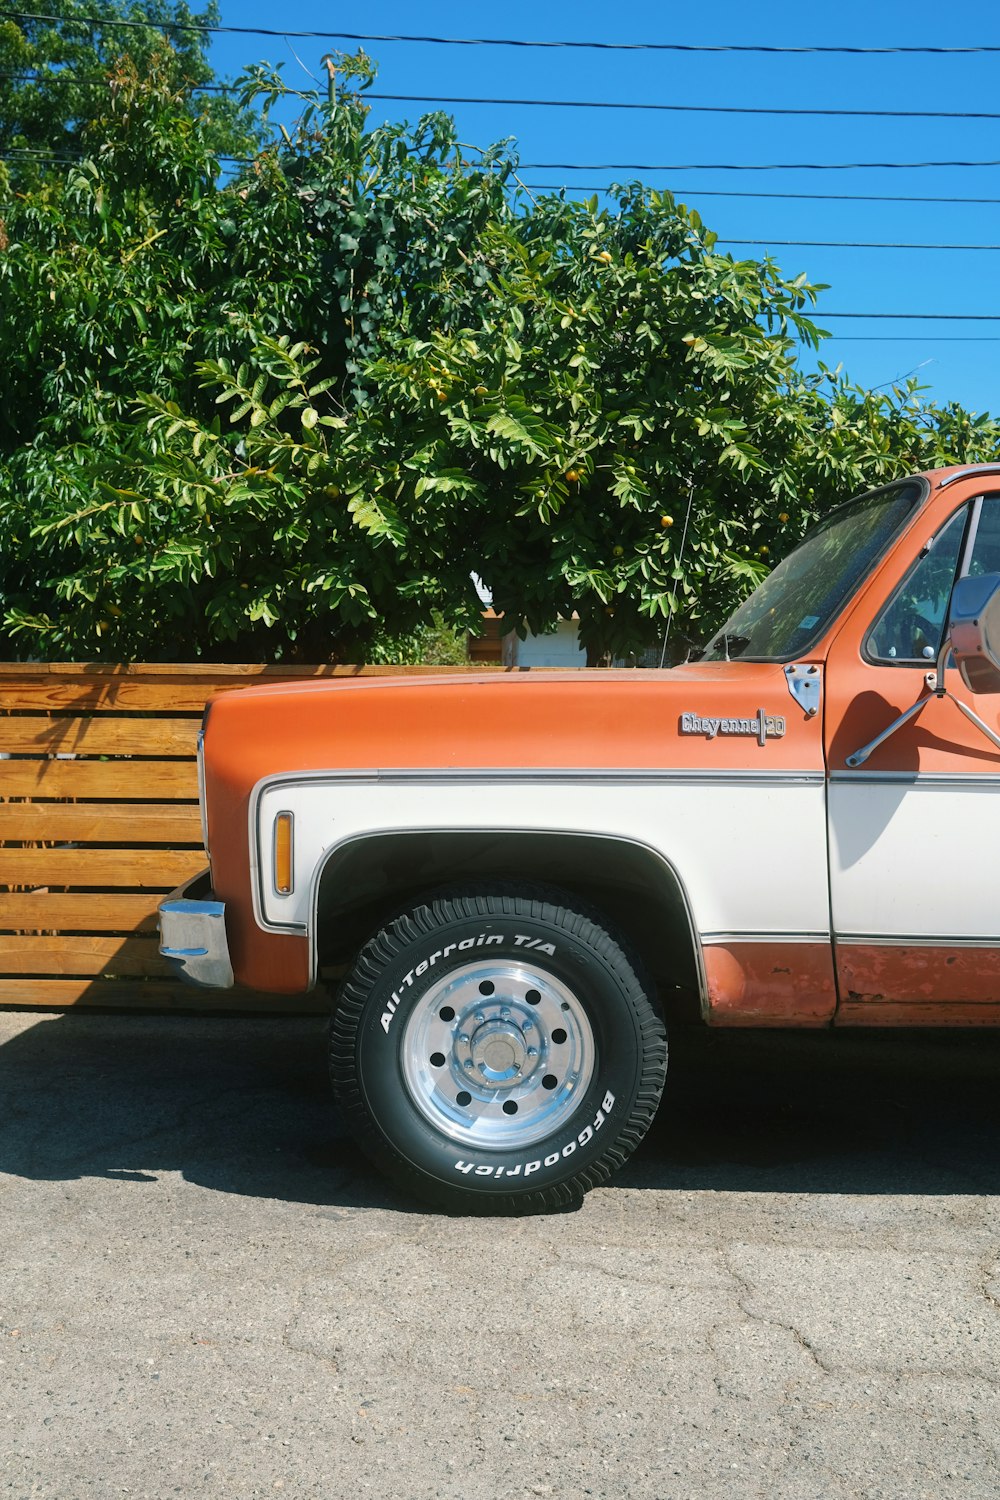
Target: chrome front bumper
[193,935]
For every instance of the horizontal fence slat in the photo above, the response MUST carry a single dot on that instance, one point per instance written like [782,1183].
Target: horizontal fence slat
[240,672]
[120,957]
[152,780]
[54,911]
[151,994]
[115,697]
[101,823]
[168,688]
[159,869]
[71,735]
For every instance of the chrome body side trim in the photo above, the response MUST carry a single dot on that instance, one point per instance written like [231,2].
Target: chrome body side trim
[511,775]
[193,935]
[972,472]
[710,939]
[918,778]
[913,940]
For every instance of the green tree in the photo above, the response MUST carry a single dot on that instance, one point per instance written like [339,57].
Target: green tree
[56,68]
[294,411]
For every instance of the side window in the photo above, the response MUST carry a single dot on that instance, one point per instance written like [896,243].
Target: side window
[912,624]
[985,556]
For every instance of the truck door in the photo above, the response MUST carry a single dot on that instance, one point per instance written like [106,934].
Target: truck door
[914,832]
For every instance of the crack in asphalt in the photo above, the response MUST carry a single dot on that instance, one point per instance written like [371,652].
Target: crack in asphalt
[988,1272]
[749,1290]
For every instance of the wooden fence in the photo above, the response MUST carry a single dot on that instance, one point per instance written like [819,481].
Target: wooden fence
[99,809]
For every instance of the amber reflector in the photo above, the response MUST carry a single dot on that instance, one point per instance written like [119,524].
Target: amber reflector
[283,853]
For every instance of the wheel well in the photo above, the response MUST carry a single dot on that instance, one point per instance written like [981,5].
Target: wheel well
[366,880]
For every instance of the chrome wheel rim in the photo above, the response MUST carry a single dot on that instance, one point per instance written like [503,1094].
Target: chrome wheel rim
[495,1055]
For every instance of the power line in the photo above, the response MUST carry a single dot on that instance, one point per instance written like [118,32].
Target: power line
[942,317]
[65,76]
[563,166]
[716,166]
[579,187]
[851,244]
[455,41]
[698,109]
[915,338]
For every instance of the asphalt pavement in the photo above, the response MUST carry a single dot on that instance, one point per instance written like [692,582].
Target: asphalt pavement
[793,1290]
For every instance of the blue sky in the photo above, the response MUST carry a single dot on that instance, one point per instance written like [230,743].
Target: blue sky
[957,360]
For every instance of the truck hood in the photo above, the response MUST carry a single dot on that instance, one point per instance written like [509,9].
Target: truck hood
[721,715]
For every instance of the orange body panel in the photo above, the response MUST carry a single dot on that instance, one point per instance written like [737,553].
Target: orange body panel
[770,984]
[901,986]
[593,720]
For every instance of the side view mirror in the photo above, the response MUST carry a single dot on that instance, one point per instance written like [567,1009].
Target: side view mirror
[974,632]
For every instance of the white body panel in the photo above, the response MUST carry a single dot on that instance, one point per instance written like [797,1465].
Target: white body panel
[750,850]
[915,858]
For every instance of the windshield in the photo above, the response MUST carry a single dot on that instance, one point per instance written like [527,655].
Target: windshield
[795,603]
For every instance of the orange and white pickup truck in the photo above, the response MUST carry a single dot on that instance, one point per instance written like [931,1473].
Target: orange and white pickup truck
[523,875]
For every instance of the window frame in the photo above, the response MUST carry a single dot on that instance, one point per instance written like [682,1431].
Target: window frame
[826,626]
[974,507]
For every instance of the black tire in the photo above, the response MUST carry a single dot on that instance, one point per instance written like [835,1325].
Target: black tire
[496,1052]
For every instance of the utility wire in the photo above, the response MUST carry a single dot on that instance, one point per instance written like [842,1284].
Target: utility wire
[737,167]
[65,76]
[915,338]
[852,244]
[455,41]
[579,187]
[715,166]
[697,109]
[942,317]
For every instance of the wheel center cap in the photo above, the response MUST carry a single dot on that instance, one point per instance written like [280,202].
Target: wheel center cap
[499,1051]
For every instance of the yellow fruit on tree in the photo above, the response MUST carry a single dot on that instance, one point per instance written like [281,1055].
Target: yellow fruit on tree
[573,476]
[666,521]
[783,518]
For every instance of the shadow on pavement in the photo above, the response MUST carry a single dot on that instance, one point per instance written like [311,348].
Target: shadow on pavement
[241,1105]
[827,1112]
